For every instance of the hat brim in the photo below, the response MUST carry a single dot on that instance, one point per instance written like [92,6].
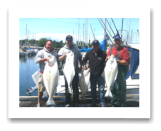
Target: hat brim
[69,39]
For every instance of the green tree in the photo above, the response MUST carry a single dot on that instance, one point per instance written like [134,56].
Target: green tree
[42,42]
[32,41]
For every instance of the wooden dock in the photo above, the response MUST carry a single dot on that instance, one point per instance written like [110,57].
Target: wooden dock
[131,101]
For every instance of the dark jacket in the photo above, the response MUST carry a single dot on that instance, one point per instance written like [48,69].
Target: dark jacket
[96,62]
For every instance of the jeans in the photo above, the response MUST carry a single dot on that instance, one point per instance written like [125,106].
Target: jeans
[101,86]
[75,90]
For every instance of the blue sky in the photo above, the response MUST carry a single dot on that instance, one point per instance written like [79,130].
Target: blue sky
[59,28]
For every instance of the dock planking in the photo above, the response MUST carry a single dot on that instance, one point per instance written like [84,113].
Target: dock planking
[130,102]
[25,104]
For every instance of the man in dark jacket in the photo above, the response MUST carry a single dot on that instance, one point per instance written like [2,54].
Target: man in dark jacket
[96,59]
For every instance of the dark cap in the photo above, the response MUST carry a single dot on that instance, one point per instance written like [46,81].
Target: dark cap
[95,42]
[116,37]
[69,38]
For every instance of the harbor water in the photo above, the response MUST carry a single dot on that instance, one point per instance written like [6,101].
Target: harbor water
[27,67]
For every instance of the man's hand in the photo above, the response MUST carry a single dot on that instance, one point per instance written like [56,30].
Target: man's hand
[85,67]
[80,69]
[47,59]
[61,58]
[107,58]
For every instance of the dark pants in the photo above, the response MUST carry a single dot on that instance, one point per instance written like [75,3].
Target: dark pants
[118,89]
[75,90]
[101,86]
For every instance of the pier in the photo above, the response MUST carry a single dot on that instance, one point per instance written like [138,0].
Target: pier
[132,100]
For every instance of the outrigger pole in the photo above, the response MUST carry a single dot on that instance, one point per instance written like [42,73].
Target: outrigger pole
[115,27]
[105,30]
[110,27]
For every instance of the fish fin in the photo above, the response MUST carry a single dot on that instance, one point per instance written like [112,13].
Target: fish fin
[106,94]
[83,98]
[110,94]
[50,102]
[70,90]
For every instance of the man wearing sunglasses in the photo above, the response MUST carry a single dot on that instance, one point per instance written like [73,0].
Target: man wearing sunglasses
[118,89]
[77,56]
[96,59]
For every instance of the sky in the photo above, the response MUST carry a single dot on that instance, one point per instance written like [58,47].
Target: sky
[58,28]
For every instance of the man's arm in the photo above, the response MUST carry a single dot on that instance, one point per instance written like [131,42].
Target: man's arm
[61,58]
[80,60]
[39,58]
[122,62]
[125,60]
[108,55]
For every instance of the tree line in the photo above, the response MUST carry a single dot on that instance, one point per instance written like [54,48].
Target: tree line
[41,42]
[56,44]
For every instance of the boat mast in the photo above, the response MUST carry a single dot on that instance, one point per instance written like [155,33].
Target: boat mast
[83,32]
[73,35]
[26,35]
[122,27]
[105,33]
[138,35]
[129,31]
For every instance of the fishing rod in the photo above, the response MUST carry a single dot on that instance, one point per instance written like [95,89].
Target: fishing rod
[115,27]
[105,30]
[92,31]
[110,26]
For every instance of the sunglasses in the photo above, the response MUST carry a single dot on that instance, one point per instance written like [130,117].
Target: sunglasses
[117,37]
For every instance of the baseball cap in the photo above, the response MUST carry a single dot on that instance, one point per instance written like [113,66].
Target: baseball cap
[95,42]
[69,38]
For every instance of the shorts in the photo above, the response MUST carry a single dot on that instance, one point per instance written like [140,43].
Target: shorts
[40,85]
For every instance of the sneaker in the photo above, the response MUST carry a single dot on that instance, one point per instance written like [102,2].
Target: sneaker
[67,105]
[93,105]
[38,105]
[102,105]
[76,105]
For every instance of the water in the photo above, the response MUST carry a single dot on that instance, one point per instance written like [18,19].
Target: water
[27,67]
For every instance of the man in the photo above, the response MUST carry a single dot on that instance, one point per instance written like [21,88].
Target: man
[118,89]
[41,57]
[77,56]
[96,59]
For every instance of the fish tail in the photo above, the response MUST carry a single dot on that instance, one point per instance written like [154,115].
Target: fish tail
[106,94]
[50,102]
[69,90]
[83,97]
